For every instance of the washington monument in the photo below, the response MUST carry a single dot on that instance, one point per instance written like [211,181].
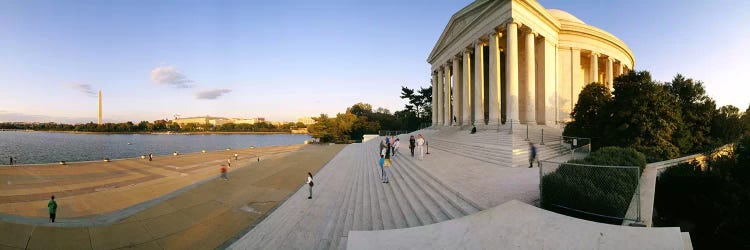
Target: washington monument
[100,107]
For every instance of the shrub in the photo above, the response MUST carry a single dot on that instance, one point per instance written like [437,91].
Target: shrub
[600,190]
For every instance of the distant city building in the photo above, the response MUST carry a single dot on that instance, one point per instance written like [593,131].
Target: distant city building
[248,121]
[218,121]
[306,120]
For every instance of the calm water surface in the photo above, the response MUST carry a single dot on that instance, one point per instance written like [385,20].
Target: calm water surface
[44,147]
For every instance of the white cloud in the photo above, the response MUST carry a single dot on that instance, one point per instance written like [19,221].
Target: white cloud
[212,94]
[169,75]
[84,88]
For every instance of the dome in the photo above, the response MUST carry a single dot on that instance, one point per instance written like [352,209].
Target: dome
[564,16]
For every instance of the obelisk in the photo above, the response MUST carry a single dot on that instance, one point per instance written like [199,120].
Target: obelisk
[100,107]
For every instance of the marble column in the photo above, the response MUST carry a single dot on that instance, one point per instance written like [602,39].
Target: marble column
[435,98]
[448,117]
[479,84]
[439,103]
[594,68]
[466,91]
[530,98]
[511,72]
[457,82]
[494,86]
[609,73]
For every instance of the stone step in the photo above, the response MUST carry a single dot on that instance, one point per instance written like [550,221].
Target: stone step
[345,221]
[448,194]
[446,207]
[357,219]
[433,212]
[266,232]
[376,221]
[335,233]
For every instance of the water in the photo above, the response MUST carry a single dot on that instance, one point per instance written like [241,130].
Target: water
[44,147]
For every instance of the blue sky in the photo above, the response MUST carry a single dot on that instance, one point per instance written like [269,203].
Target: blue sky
[286,59]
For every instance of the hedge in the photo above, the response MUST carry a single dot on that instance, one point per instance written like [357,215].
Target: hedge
[599,190]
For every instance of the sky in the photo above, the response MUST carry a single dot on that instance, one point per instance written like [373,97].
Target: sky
[285,59]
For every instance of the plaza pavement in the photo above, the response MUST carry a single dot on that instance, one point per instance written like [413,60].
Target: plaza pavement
[201,216]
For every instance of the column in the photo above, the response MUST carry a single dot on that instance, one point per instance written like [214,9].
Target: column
[435,98]
[609,73]
[479,83]
[439,103]
[448,117]
[494,86]
[511,71]
[616,69]
[457,82]
[594,68]
[530,98]
[466,92]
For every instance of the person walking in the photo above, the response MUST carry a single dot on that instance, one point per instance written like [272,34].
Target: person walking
[310,184]
[52,206]
[532,154]
[396,145]
[381,162]
[224,173]
[150,156]
[386,165]
[229,162]
[420,145]
[235,156]
[382,146]
[412,144]
[11,160]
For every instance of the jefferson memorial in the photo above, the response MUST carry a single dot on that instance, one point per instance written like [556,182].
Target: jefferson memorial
[515,61]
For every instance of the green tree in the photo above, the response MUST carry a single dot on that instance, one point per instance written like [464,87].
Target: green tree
[726,126]
[697,109]
[643,115]
[590,113]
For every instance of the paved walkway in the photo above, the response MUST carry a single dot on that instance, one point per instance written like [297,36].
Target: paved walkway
[87,189]
[202,217]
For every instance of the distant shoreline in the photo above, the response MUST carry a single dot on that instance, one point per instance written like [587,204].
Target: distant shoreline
[155,133]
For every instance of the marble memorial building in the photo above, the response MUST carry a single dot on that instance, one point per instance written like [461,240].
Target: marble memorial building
[513,60]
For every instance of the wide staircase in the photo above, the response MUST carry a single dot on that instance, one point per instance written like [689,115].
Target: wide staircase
[505,147]
[348,195]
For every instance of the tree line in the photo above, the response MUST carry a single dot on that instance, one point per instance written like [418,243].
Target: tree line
[157,126]
[361,119]
[663,120]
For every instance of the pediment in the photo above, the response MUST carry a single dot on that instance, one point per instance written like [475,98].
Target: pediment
[462,20]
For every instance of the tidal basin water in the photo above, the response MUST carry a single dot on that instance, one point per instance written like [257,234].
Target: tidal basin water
[45,147]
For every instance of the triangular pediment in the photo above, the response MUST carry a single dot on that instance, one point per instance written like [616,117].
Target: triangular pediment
[463,19]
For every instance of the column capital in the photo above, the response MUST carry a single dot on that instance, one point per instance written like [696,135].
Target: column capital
[479,42]
[512,21]
[495,32]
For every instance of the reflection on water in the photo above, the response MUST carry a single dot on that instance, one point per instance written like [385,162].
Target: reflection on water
[44,147]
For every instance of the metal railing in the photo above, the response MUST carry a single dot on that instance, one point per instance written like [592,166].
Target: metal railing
[591,192]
